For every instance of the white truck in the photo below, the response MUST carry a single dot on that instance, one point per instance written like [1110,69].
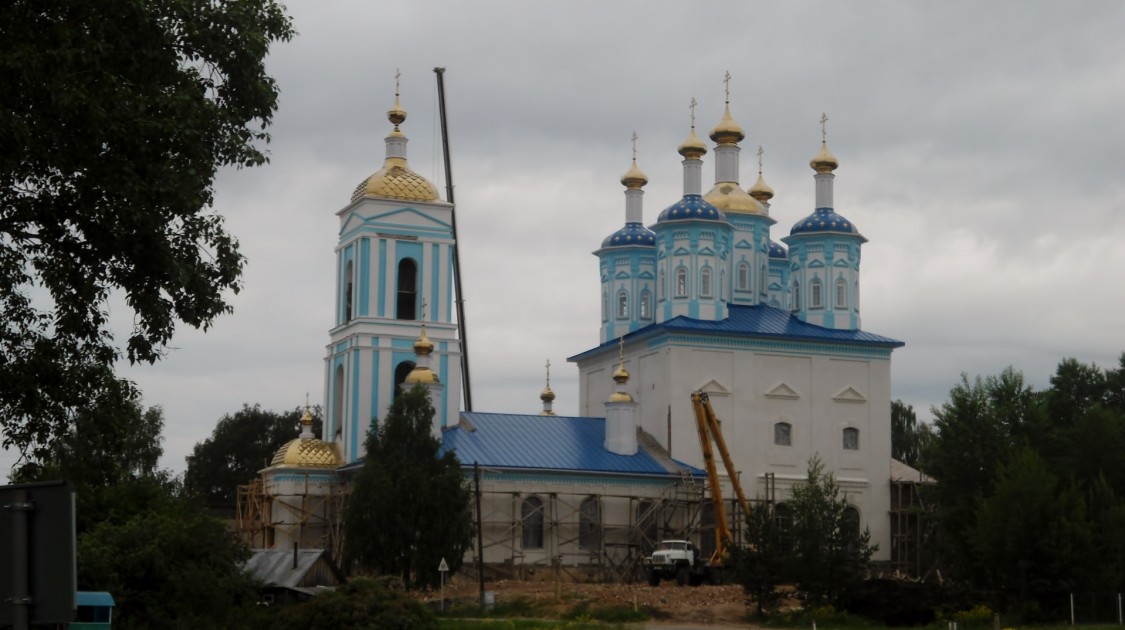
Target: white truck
[677,559]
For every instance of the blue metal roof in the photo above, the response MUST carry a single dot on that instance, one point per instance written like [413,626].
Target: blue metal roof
[691,207]
[94,598]
[824,220]
[632,234]
[555,443]
[761,322]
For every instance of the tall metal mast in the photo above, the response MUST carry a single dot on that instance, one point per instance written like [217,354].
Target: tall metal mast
[460,302]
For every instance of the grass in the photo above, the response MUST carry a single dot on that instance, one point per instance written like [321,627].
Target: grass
[525,624]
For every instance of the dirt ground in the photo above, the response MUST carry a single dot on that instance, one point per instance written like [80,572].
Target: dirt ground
[711,605]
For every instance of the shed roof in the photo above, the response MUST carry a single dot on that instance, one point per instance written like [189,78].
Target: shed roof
[274,567]
[94,598]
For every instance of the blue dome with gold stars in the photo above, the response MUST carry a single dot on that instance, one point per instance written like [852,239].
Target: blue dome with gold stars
[631,235]
[777,251]
[691,207]
[824,220]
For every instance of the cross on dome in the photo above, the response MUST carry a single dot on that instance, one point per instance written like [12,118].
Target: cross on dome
[692,107]
[726,84]
[824,128]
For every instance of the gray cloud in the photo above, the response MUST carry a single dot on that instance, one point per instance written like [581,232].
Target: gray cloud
[981,149]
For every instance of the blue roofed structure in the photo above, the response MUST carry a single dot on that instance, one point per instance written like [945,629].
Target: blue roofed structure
[551,443]
[763,322]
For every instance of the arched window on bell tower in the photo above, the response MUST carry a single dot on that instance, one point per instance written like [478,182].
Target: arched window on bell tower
[338,399]
[407,306]
[349,293]
[402,370]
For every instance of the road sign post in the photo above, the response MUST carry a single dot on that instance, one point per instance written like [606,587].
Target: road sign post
[443,568]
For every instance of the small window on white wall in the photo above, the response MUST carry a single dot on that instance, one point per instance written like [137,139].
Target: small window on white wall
[681,282]
[660,288]
[605,307]
[851,439]
[796,296]
[814,294]
[646,306]
[622,305]
[743,277]
[705,282]
[783,434]
[841,293]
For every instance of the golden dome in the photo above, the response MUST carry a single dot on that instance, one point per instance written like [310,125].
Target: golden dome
[634,177]
[693,147]
[548,395]
[397,115]
[761,191]
[729,197]
[308,453]
[621,375]
[423,346]
[824,162]
[727,131]
[422,375]
[396,181]
[620,397]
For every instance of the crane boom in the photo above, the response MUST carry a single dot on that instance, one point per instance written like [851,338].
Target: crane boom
[710,431]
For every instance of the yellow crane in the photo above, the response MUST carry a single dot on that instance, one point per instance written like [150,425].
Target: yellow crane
[710,431]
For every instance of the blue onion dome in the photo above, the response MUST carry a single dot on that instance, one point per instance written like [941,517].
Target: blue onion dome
[691,207]
[824,220]
[778,251]
[633,234]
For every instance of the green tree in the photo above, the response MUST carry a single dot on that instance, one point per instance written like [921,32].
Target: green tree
[759,564]
[830,554]
[409,508]
[909,438]
[169,566]
[1031,534]
[977,430]
[241,444]
[361,603]
[115,116]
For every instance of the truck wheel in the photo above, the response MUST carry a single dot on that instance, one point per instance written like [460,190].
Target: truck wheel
[682,575]
[653,578]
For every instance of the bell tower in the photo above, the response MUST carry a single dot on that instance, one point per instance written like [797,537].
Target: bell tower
[394,255]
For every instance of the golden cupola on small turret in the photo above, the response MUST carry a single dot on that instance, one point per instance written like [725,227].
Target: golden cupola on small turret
[395,180]
[422,374]
[306,451]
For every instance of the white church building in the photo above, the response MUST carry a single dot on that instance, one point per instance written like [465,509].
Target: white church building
[701,298]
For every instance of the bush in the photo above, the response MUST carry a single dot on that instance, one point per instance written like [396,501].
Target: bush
[361,603]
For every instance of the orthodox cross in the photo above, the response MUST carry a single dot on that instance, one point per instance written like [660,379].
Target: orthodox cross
[397,75]
[423,309]
[621,350]
[761,152]
[726,82]
[548,373]
[692,107]
[824,128]
[634,146]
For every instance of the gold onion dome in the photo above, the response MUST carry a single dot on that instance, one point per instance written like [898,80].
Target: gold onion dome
[761,190]
[307,451]
[423,346]
[729,197]
[621,376]
[634,177]
[548,395]
[693,147]
[824,162]
[422,375]
[727,131]
[395,180]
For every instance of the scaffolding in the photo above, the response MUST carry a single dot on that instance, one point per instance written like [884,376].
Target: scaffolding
[629,527]
[269,519]
[911,528]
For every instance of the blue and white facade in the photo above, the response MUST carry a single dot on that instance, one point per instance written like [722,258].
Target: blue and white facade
[773,336]
[394,274]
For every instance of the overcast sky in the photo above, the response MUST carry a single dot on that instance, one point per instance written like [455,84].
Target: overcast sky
[981,148]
